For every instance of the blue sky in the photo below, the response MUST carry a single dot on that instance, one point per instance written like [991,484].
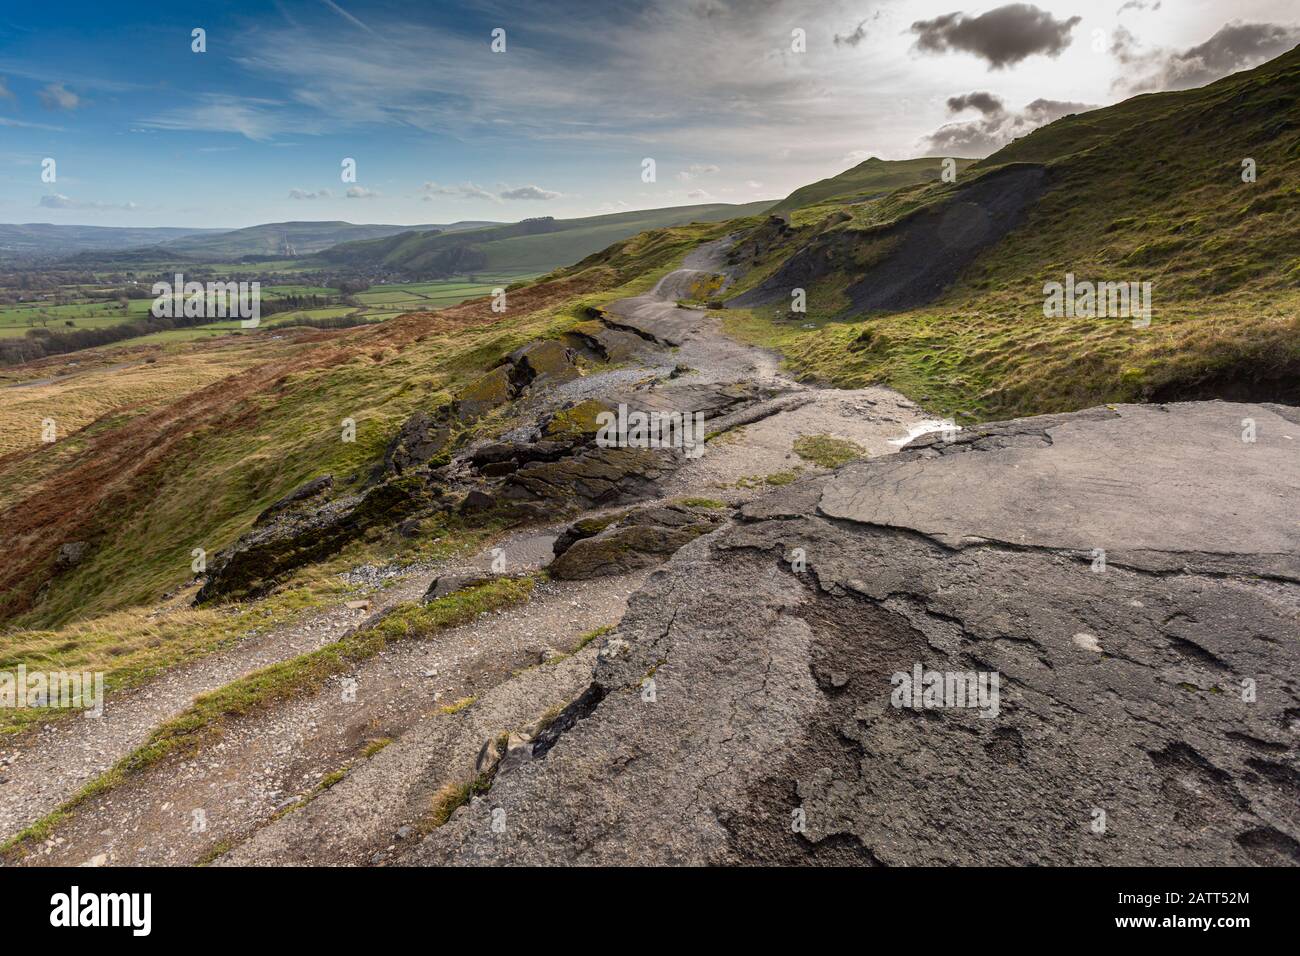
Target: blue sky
[146,132]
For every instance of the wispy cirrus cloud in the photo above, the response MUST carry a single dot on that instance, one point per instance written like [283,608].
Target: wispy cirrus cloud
[23,124]
[256,119]
[59,201]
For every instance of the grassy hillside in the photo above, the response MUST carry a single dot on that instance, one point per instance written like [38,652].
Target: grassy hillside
[187,450]
[1149,190]
[531,246]
[867,180]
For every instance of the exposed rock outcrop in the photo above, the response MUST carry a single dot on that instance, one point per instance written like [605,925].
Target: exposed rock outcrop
[70,554]
[637,538]
[317,486]
[1130,575]
[425,436]
[293,538]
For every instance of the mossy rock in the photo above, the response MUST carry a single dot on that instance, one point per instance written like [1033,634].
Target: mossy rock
[545,362]
[595,477]
[578,422]
[622,542]
[584,528]
[622,550]
[484,394]
[268,553]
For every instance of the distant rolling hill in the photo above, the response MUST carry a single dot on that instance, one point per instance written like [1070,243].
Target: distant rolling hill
[48,239]
[275,238]
[530,246]
[268,239]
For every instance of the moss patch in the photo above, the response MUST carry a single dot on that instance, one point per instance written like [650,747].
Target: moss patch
[827,451]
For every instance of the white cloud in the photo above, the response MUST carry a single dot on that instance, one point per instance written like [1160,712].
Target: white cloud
[56,96]
[361,192]
[310,194]
[465,190]
[529,192]
[699,169]
[6,121]
[59,201]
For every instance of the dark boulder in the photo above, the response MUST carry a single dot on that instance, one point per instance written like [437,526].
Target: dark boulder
[267,554]
[639,538]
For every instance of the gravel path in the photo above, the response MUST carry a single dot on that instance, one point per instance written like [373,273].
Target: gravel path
[39,770]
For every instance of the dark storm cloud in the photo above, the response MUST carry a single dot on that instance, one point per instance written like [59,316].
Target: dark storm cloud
[996,128]
[1041,112]
[1235,47]
[986,103]
[1002,37]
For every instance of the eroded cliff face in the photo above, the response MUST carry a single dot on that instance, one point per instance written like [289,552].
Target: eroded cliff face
[1128,576]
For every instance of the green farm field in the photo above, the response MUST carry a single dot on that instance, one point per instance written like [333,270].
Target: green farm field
[377,304]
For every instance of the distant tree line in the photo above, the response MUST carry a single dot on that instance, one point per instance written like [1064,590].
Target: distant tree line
[330,322]
[297,303]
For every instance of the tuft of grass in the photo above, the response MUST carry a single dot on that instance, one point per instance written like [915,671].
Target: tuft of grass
[591,636]
[827,451]
[775,480]
[452,796]
[712,503]
[217,851]
[463,704]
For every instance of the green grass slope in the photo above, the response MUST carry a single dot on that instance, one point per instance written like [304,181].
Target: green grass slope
[530,246]
[1148,190]
[867,180]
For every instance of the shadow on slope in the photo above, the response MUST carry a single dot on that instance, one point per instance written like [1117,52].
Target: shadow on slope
[926,251]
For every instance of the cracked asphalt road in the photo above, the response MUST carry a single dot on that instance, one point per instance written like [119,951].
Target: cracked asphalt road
[1148,711]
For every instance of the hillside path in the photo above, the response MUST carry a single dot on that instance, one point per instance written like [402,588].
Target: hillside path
[269,761]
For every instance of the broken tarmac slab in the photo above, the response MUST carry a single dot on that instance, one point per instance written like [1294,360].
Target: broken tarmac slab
[744,710]
[1160,487]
